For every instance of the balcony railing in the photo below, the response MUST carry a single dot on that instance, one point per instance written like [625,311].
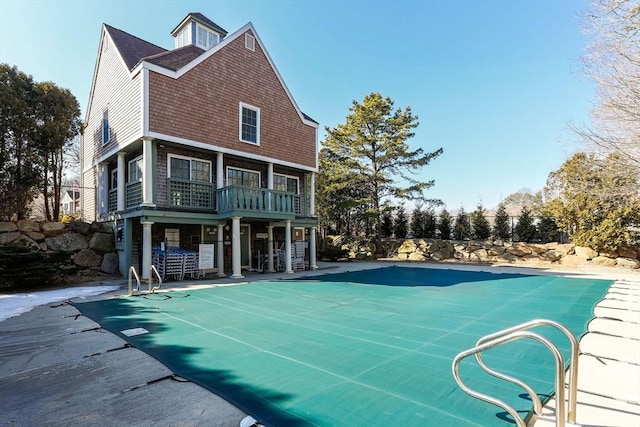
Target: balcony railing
[113,200]
[134,194]
[252,199]
[183,193]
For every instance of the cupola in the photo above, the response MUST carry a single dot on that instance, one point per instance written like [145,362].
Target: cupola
[198,30]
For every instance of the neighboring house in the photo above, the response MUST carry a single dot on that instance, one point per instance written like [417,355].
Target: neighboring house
[200,144]
[70,202]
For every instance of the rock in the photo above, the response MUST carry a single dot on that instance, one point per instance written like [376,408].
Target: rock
[496,250]
[9,237]
[101,243]
[407,247]
[27,242]
[506,257]
[472,247]
[604,261]
[585,253]
[537,249]
[416,256]
[552,255]
[628,252]
[43,246]
[519,249]
[444,252]
[80,227]
[100,227]
[563,248]
[571,260]
[34,235]
[87,258]
[52,228]
[481,254]
[461,255]
[7,226]
[625,262]
[67,242]
[28,225]
[534,258]
[609,254]
[109,263]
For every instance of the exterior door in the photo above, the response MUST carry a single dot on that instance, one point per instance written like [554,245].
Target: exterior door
[245,245]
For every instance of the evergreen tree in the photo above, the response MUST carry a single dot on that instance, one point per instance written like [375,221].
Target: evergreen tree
[430,224]
[417,222]
[444,225]
[501,226]
[387,224]
[400,224]
[548,229]
[525,230]
[373,144]
[481,229]
[462,227]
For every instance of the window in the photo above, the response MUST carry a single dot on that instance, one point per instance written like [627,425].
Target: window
[249,42]
[206,39]
[286,183]
[243,177]
[249,124]
[135,170]
[190,169]
[106,134]
[183,37]
[114,179]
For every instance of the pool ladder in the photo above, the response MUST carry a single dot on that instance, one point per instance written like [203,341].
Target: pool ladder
[515,333]
[133,274]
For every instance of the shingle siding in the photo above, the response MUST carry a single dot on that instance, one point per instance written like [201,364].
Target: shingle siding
[203,105]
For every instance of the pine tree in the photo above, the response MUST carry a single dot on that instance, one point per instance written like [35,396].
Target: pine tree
[481,229]
[501,227]
[462,227]
[444,225]
[525,230]
[400,224]
[387,224]
[548,229]
[417,222]
[430,224]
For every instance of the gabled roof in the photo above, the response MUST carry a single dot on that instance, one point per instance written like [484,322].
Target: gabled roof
[197,16]
[131,48]
[175,59]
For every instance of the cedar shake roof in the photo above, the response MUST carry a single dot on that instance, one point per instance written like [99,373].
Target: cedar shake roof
[177,58]
[132,48]
[197,16]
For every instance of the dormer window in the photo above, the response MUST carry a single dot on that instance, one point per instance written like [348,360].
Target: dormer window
[206,39]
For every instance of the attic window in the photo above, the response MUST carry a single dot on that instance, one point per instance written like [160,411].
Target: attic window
[206,39]
[250,42]
[106,132]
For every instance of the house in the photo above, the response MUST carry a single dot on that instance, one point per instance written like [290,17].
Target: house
[201,145]
[70,202]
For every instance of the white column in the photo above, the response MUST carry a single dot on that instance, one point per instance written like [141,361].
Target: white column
[312,195]
[121,181]
[270,176]
[287,247]
[103,190]
[236,261]
[270,268]
[219,170]
[148,172]
[220,251]
[146,249]
[312,250]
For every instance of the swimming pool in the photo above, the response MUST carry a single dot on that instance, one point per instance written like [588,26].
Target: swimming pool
[370,347]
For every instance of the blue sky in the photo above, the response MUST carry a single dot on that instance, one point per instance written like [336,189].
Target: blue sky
[494,82]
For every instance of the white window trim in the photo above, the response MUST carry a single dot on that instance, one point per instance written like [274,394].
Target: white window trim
[102,130]
[226,178]
[114,178]
[290,176]
[129,169]
[208,31]
[177,156]
[249,42]
[257,110]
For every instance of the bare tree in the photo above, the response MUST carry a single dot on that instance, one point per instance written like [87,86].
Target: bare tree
[612,61]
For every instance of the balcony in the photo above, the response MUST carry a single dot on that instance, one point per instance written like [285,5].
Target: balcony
[183,193]
[251,200]
[113,200]
[134,194]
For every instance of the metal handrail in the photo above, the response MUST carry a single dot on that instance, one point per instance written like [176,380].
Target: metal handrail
[154,270]
[132,271]
[573,366]
[560,374]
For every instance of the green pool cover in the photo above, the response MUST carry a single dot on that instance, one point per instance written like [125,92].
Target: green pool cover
[363,348]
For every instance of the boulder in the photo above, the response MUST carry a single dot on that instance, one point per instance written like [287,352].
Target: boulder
[109,263]
[519,249]
[34,235]
[52,228]
[571,260]
[552,255]
[585,253]
[25,225]
[407,247]
[416,256]
[9,237]
[461,255]
[506,257]
[609,254]
[100,227]
[472,247]
[604,261]
[80,227]
[66,242]
[564,248]
[537,248]
[481,254]
[627,263]
[444,252]
[496,250]
[7,226]
[101,243]
[27,242]
[87,258]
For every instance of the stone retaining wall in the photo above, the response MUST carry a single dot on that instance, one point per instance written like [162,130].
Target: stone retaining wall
[89,249]
[565,254]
